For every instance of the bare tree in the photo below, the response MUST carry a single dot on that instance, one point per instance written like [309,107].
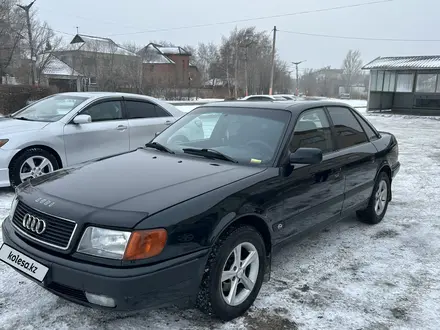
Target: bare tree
[11,33]
[205,56]
[352,67]
[46,42]
[247,53]
[163,43]
[132,67]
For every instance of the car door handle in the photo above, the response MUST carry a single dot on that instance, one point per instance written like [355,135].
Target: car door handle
[168,122]
[121,128]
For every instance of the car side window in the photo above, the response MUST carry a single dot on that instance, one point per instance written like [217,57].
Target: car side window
[367,128]
[162,112]
[348,130]
[138,109]
[312,130]
[104,111]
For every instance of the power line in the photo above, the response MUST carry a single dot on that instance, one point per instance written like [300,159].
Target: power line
[359,38]
[69,34]
[256,18]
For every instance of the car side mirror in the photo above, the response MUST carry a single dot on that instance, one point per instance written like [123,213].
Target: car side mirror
[156,134]
[307,156]
[82,119]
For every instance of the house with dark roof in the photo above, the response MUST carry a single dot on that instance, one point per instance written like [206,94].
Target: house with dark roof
[104,64]
[168,67]
[405,83]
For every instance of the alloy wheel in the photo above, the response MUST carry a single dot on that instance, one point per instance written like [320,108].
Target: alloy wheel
[381,197]
[34,167]
[239,274]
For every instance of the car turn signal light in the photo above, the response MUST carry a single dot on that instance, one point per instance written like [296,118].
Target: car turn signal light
[145,244]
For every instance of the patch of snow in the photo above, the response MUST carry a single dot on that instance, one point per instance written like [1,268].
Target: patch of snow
[151,54]
[351,276]
[172,50]
[99,45]
[56,67]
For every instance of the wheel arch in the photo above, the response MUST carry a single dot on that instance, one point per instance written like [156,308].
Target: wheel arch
[386,168]
[257,222]
[39,146]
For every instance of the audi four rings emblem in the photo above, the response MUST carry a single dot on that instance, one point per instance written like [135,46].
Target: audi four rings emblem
[34,224]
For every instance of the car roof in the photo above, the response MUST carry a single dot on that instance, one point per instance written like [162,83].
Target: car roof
[292,106]
[96,95]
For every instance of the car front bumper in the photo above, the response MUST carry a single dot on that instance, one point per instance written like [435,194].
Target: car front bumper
[5,158]
[172,282]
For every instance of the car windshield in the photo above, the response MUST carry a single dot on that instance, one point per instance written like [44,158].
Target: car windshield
[49,109]
[244,135]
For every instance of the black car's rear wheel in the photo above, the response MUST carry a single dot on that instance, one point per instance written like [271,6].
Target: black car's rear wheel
[378,204]
[235,272]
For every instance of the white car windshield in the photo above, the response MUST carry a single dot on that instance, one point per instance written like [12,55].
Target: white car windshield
[49,109]
[245,135]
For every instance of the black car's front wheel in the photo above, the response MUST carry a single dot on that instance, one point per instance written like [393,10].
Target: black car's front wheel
[234,273]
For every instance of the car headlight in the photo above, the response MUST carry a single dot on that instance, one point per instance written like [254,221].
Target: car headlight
[13,207]
[3,142]
[122,245]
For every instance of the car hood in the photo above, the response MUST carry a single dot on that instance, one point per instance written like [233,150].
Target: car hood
[139,183]
[10,125]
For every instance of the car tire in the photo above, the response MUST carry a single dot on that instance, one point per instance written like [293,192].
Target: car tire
[35,156]
[378,203]
[215,297]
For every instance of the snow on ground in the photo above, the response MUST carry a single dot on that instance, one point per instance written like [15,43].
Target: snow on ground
[351,276]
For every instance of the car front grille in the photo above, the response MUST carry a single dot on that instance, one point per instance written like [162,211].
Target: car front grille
[58,233]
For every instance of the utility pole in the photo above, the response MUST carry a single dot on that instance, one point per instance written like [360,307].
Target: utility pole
[236,71]
[246,66]
[31,43]
[297,77]
[246,71]
[273,60]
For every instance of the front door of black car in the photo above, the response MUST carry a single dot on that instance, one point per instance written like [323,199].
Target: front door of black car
[357,154]
[313,194]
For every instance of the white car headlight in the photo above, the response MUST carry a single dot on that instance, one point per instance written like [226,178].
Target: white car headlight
[104,243]
[13,207]
[115,244]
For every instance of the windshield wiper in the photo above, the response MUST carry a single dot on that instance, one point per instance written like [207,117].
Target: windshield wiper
[159,146]
[209,153]
[22,118]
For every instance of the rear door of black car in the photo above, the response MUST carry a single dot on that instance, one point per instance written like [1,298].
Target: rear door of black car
[357,155]
[313,194]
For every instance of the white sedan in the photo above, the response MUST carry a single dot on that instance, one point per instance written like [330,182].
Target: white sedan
[71,128]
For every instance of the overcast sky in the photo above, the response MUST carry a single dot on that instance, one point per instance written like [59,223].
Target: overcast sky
[402,19]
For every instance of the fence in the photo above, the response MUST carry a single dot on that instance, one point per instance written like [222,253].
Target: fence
[14,97]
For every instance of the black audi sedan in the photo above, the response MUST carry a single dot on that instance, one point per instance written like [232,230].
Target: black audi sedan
[196,221]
